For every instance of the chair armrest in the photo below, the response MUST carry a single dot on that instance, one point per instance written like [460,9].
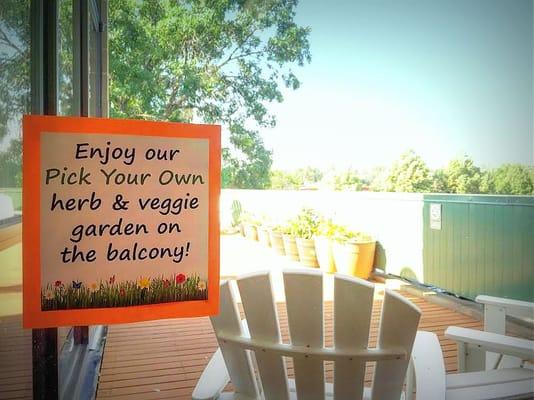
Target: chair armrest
[512,346]
[515,308]
[213,379]
[428,366]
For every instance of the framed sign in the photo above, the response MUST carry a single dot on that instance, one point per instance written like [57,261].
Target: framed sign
[120,220]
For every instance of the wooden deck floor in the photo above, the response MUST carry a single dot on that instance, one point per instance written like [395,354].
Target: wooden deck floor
[164,359]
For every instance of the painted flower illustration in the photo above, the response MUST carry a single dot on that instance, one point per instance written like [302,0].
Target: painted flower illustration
[49,295]
[94,286]
[144,283]
[122,292]
[201,285]
[166,283]
[180,278]
[58,283]
[112,280]
[76,285]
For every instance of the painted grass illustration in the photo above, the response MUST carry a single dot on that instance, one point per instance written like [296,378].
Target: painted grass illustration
[63,296]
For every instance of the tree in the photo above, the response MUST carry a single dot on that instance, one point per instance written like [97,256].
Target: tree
[344,180]
[217,61]
[295,179]
[514,179]
[14,62]
[439,181]
[409,174]
[463,176]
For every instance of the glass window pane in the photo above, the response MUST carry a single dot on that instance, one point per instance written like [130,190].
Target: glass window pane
[65,58]
[15,343]
[94,67]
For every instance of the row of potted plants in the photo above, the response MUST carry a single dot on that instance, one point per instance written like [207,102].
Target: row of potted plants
[315,241]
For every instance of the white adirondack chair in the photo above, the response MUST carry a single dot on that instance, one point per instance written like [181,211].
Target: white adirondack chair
[490,364]
[472,358]
[251,352]
[508,383]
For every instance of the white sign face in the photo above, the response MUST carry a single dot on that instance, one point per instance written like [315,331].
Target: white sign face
[435,216]
[124,220]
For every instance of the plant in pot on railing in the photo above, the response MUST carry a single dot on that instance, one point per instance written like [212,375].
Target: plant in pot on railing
[250,226]
[276,237]
[290,244]
[323,244]
[263,231]
[237,212]
[304,228]
[354,253]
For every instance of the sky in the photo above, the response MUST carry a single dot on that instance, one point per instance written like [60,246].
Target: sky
[444,78]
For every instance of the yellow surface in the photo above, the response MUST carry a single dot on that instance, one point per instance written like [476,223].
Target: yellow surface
[10,304]
[11,266]
[11,280]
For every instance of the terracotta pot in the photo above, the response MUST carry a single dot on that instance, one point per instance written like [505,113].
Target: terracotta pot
[355,259]
[323,251]
[277,243]
[290,247]
[251,231]
[263,236]
[306,250]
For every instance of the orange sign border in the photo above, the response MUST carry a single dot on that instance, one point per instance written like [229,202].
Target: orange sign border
[33,316]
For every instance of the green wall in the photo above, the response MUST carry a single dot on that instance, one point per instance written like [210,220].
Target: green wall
[485,245]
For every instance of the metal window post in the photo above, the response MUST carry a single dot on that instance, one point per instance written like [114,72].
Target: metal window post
[44,101]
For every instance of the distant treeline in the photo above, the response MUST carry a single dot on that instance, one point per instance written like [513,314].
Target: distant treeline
[411,174]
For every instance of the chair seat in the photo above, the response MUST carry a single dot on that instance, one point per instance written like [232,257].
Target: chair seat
[510,383]
[292,392]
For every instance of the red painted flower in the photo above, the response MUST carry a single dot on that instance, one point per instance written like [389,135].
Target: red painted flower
[112,280]
[166,283]
[180,278]
[58,283]
[122,292]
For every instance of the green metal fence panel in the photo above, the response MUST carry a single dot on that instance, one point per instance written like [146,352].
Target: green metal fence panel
[481,245]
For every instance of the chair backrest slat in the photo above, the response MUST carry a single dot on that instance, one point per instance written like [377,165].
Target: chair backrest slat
[353,303]
[237,360]
[304,302]
[262,319]
[398,327]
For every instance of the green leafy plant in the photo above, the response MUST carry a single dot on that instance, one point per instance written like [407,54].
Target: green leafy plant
[344,235]
[237,210]
[305,224]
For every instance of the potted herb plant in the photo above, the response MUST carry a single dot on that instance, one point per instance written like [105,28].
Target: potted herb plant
[304,228]
[354,253]
[323,244]
[263,232]
[250,226]
[277,241]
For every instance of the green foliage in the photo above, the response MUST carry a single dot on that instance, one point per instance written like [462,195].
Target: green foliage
[409,174]
[344,180]
[439,182]
[513,179]
[249,169]
[14,61]
[463,176]
[305,224]
[11,165]
[236,212]
[58,296]
[295,179]
[219,61]
[342,234]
